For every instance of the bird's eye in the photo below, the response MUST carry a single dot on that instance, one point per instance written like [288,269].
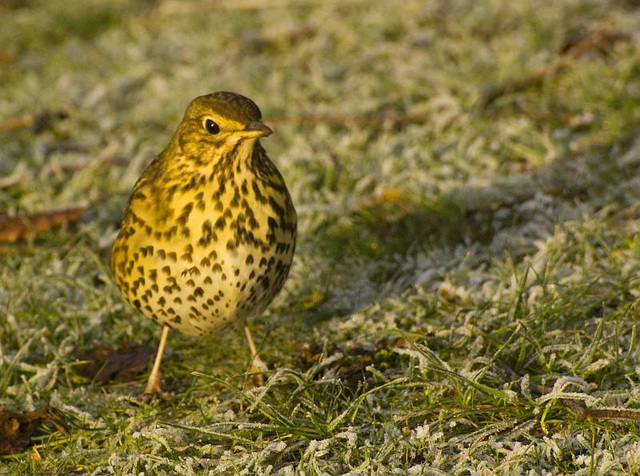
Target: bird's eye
[211,127]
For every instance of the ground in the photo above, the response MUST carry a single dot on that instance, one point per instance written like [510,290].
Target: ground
[464,299]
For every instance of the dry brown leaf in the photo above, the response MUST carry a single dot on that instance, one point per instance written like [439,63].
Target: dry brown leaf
[386,196]
[103,363]
[26,227]
[38,122]
[273,36]
[16,428]
[17,122]
[7,57]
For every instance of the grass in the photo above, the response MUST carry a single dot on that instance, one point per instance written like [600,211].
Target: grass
[467,263]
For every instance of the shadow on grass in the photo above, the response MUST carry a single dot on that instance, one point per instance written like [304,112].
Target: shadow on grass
[387,230]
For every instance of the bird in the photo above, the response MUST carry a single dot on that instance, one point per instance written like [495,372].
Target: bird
[209,232]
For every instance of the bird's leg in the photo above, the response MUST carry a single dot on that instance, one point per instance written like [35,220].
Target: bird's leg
[256,371]
[153,384]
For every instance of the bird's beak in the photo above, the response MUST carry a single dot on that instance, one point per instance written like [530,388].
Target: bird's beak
[255,130]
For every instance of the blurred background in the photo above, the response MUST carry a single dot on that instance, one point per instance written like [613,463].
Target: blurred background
[457,166]
[407,114]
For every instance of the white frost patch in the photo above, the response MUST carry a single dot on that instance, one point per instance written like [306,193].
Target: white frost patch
[350,436]
[597,365]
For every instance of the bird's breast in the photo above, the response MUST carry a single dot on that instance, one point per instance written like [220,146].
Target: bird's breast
[220,251]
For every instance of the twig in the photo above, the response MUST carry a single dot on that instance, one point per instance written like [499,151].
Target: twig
[393,118]
[174,8]
[572,52]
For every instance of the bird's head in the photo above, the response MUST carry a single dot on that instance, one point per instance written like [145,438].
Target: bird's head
[219,120]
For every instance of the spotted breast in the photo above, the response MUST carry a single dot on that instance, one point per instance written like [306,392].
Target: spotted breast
[210,230]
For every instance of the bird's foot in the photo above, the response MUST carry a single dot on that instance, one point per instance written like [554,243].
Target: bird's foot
[154,389]
[256,373]
[155,394]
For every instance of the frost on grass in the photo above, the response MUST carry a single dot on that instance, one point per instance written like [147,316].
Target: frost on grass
[453,258]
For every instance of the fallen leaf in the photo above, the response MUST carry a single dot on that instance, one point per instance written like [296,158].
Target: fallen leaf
[17,122]
[274,37]
[38,122]
[17,428]
[26,227]
[387,196]
[14,4]
[7,57]
[103,363]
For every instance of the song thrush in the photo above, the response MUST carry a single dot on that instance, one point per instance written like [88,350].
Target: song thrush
[209,233]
